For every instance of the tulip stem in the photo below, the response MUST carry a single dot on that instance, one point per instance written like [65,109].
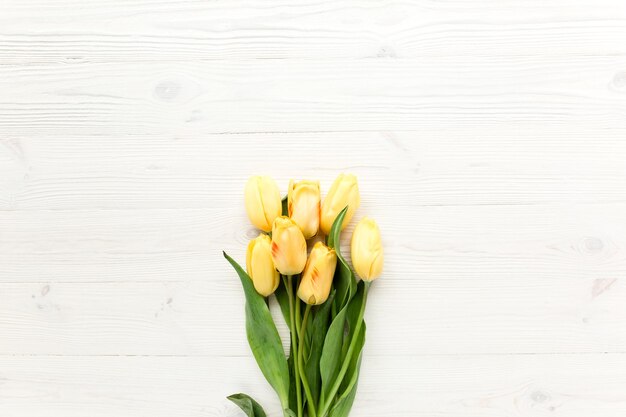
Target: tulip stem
[298,319]
[305,382]
[294,343]
[346,362]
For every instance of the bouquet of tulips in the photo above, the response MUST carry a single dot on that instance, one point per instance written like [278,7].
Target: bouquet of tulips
[320,298]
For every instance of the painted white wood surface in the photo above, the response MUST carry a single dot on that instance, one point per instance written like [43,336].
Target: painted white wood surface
[489,138]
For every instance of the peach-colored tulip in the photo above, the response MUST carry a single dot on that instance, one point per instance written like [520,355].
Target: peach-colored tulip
[260,265]
[263,202]
[344,192]
[367,250]
[288,246]
[318,275]
[303,202]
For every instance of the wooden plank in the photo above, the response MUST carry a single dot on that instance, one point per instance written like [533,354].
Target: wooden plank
[422,386]
[535,243]
[474,312]
[455,165]
[89,31]
[177,98]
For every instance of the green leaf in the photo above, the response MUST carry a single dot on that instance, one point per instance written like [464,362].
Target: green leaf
[263,337]
[248,405]
[344,280]
[293,402]
[283,301]
[318,327]
[343,406]
[352,316]
[352,374]
[335,229]
[348,388]
[330,361]
[285,204]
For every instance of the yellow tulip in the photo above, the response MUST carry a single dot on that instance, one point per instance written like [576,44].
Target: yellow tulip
[263,202]
[303,202]
[367,250]
[288,246]
[260,265]
[344,192]
[318,275]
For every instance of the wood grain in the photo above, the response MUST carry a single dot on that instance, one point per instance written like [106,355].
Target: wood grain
[181,97]
[452,316]
[533,243]
[474,386]
[89,31]
[452,166]
[488,138]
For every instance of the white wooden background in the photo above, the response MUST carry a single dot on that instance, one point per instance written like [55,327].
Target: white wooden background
[489,137]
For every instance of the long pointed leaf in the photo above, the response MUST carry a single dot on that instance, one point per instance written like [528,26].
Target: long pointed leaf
[283,301]
[248,405]
[319,327]
[343,406]
[263,337]
[347,392]
[330,361]
[293,403]
[344,280]
[352,317]
[352,374]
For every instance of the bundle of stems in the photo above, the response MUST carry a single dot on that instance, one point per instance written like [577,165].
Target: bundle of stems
[321,299]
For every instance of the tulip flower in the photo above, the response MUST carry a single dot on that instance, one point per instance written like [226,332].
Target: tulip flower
[303,203]
[367,250]
[263,202]
[288,246]
[318,275]
[260,265]
[344,192]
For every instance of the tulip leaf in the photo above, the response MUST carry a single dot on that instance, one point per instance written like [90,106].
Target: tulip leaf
[283,301]
[263,337]
[352,374]
[248,405]
[285,206]
[318,327]
[293,402]
[352,316]
[330,360]
[335,229]
[343,405]
[344,280]
[347,392]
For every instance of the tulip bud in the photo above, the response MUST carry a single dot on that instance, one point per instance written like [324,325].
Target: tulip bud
[344,192]
[367,250]
[288,246]
[260,265]
[318,275]
[263,202]
[303,202]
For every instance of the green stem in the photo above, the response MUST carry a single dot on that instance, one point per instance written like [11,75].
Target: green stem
[294,343]
[346,362]
[298,319]
[305,382]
